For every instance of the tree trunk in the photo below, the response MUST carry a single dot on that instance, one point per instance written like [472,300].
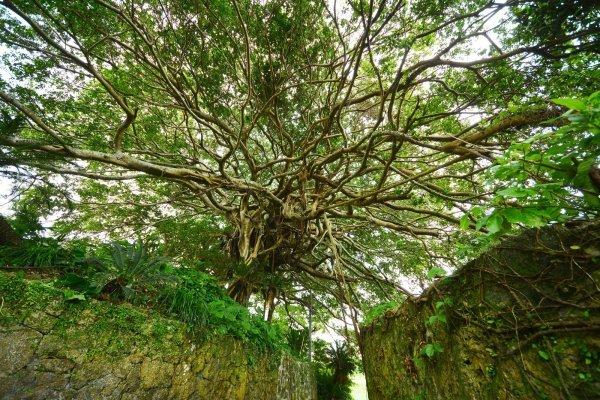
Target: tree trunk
[240,291]
[270,303]
[8,236]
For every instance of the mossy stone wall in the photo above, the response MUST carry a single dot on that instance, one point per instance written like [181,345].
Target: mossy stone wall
[52,348]
[524,323]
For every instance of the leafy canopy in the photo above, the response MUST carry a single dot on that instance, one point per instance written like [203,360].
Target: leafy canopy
[338,145]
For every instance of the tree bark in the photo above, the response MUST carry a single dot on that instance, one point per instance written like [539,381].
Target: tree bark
[240,291]
[8,236]
[270,303]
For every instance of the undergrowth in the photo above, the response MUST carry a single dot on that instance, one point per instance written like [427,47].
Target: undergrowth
[334,364]
[121,272]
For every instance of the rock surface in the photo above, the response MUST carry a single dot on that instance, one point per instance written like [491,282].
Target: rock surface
[523,322]
[54,349]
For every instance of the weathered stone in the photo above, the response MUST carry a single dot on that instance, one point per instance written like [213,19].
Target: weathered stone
[94,350]
[183,382]
[154,374]
[40,321]
[17,348]
[295,381]
[56,365]
[543,285]
[54,308]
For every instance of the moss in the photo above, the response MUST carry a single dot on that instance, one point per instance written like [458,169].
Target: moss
[116,328]
[12,286]
[119,329]
[94,347]
[528,283]
[20,298]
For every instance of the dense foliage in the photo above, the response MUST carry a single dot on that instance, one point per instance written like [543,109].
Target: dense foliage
[310,154]
[119,272]
[334,366]
[552,176]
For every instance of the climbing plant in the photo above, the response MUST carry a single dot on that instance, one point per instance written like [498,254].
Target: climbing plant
[551,177]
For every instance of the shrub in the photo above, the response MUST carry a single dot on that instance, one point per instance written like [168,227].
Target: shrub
[128,272]
[334,365]
[39,253]
[202,303]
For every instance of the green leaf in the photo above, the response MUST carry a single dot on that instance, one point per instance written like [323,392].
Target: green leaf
[512,215]
[521,147]
[71,295]
[532,218]
[592,200]
[432,349]
[543,355]
[582,179]
[464,222]
[480,223]
[494,223]
[435,272]
[419,363]
[573,104]
[429,350]
[516,192]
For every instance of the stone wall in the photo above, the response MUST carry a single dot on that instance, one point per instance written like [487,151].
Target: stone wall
[51,348]
[523,322]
